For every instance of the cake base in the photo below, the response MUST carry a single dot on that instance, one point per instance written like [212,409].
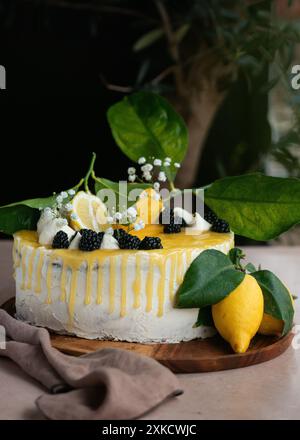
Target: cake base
[197,356]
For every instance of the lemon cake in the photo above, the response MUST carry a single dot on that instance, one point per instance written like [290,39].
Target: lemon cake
[117,294]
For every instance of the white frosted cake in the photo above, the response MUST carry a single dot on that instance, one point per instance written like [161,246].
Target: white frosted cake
[118,294]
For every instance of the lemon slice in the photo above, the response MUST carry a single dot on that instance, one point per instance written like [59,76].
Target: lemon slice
[87,208]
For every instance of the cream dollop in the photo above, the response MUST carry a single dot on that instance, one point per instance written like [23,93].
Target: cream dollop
[48,226]
[109,241]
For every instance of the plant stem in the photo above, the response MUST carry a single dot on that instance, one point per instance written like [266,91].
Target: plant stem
[172,185]
[88,174]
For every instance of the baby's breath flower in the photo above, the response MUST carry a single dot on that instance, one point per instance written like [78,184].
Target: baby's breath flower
[168,159]
[64,194]
[147,167]
[157,162]
[141,160]
[71,192]
[177,165]
[132,177]
[156,186]
[59,199]
[68,207]
[162,176]
[166,164]
[147,176]
[132,211]
[131,170]
[117,216]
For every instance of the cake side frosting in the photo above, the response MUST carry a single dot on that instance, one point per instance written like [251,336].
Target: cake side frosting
[110,294]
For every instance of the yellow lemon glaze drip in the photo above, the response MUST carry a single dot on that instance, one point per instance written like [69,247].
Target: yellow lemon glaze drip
[161,288]
[112,285]
[72,298]
[123,285]
[23,253]
[88,284]
[149,286]
[38,272]
[100,281]
[63,281]
[172,275]
[137,283]
[30,268]
[49,280]
[177,254]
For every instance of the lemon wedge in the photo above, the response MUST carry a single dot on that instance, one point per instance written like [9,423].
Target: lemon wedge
[88,212]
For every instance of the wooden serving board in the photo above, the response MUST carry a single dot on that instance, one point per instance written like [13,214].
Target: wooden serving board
[197,356]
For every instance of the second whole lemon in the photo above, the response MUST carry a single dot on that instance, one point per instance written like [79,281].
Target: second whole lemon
[238,316]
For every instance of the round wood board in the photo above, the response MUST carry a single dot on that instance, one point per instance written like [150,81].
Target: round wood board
[197,356]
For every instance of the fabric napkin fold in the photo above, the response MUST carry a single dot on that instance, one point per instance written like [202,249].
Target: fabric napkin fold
[106,384]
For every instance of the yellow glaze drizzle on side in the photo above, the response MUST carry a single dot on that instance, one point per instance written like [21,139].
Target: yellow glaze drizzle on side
[49,280]
[112,285]
[123,285]
[137,283]
[161,288]
[88,289]
[30,268]
[38,272]
[149,286]
[23,256]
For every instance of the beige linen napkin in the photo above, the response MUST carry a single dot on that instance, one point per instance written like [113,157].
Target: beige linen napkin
[107,384]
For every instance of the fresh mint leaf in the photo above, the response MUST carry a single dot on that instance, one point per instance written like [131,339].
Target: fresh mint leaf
[256,206]
[277,299]
[144,125]
[209,279]
[205,317]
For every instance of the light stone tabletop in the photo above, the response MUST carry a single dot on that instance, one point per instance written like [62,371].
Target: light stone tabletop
[266,391]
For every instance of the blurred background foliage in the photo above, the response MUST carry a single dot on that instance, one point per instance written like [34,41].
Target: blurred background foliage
[224,64]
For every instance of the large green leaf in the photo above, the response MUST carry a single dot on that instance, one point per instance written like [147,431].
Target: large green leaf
[209,279]
[277,299]
[145,124]
[22,215]
[121,199]
[256,206]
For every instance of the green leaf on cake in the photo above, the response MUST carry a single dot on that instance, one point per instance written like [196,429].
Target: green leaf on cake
[256,206]
[145,125]
[205,317]
[277,299]
[132,189]
[22,215]
[209,279]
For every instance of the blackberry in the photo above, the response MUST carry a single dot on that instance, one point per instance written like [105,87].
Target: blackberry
[220,226]
[60,240]
[150,243]
[119,233]
[210,216]
[173,228]
[100,235]
[128,241]
[166,216]
[90,240]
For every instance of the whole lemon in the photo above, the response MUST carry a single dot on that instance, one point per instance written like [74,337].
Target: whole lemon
[238,316]
[270,325]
